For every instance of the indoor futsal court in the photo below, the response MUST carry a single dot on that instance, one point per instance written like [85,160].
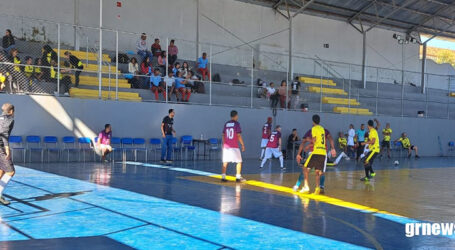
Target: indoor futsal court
[227,124]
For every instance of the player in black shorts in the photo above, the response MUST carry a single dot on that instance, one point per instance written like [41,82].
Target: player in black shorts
[7,170]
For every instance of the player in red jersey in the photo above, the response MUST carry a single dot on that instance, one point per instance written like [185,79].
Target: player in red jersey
[273,147]
[231,153]
[266,132]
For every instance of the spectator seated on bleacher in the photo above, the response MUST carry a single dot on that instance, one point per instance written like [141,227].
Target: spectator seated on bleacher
[146,70]
[182,88]
[162,62]
[202,67]
[141,47]
[8,42]
[13,58]
[262,88]
[406,143]
[157,85]
[156,51]
[186,69]
[176,68]
[172,51]
[169,82]
[38,70]
[133,69]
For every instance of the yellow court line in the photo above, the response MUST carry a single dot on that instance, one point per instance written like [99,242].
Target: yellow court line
[321,198]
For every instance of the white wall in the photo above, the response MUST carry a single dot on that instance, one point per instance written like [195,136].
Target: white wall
[48,115]
[177,19]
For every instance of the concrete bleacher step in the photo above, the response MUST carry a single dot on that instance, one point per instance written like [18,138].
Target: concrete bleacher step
[93,81]
[343,101]
[104,68]
[333,91]
[84,55]
[93,94]
[355,111]
[311,80]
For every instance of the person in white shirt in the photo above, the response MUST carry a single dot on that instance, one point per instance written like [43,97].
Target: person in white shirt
[351,135]
[133,69]
[270,90]
[169,80]
[141,47]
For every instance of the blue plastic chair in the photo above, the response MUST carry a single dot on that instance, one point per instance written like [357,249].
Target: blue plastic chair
[139,145]
[214,146]
[451,148]
[175,148]
[51,145]
[155,145]
[127,145]
[398,147]
[69,145]
[34,145]
[116,144]
[16,143]
[186,144]
[85,145]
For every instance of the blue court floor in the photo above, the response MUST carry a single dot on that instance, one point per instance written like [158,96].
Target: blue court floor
[185,206]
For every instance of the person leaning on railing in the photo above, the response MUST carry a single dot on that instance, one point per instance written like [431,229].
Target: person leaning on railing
[75,63]
[65,80]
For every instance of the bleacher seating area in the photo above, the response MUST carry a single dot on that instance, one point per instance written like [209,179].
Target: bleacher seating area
[70,148]
[318,94]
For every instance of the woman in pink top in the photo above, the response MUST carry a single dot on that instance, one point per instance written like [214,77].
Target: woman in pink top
[104,142]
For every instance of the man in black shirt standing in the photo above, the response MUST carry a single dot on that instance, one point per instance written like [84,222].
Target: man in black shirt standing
[75,63]
[7,170]
[167,131]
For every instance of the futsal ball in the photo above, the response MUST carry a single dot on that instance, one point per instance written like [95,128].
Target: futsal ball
[396,163]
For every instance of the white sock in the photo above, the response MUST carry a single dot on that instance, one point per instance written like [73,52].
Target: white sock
[262,152]
[3,182]
[223,176]
[281,161]
[263,162]
[238,176]
[339,158]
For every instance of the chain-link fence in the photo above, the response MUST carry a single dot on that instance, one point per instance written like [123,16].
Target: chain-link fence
[63,59]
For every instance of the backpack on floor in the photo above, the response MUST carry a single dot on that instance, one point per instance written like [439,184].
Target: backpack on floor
[216,78]
[199,86]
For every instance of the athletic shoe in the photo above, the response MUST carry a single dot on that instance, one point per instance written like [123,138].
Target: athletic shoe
[373,174]
[364,179]
[417,157]
[295,188]
[106,161]
[163,161]
[223,180]
[169,162]
[283,168]
[241,179]
[305,190]
[317,190]
[261,166]
[321,191]
[66,94]
[3,201]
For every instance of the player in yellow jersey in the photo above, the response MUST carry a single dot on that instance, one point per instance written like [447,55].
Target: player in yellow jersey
[318,157]
[387,133]
[373,146]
